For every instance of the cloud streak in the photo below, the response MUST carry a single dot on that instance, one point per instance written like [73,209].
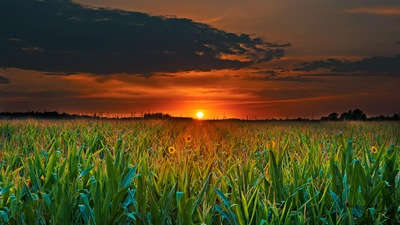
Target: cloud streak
[4,80]
[64,37]
[381,11]
[376,65]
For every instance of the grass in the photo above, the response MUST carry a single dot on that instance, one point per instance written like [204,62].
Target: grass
[199,172]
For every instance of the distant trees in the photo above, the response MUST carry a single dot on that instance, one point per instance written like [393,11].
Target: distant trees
[395,117]
[356,115]
[158,115]
[333,116]
[56,115]
[42,115]
[351,115]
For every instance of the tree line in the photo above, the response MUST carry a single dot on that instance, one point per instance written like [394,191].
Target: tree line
[351,115]
[358,115]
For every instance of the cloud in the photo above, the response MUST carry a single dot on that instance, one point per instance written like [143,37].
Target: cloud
[64,37]
[276,75]
[376,65]
[4,80]
[382,11]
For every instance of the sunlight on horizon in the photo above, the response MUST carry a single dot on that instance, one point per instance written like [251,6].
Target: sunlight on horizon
[200,115]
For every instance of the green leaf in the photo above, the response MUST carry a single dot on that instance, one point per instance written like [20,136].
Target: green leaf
[223,197]
[203,190]
[85,172]
[371,197]
[4,215]
[6,189]
[224,214]
[88,210]
[50,166]
[155,214]
[128,177]
[178,196]
[46,198]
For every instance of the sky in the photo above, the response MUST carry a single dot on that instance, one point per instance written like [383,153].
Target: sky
[259,59]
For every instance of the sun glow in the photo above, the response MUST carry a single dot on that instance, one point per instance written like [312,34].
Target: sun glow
[200,114]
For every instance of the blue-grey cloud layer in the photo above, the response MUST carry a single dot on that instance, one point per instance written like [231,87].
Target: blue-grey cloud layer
[4,80]
[377,65]
[64,37]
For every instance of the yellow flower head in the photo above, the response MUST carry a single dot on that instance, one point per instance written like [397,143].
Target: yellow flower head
[42,178]
[271,144]
[374,150]
[28,182]
[171,150]
[188,139]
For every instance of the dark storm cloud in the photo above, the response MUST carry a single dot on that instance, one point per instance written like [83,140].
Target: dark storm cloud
[277,75]
[64,37]
[4,80]
[377,65]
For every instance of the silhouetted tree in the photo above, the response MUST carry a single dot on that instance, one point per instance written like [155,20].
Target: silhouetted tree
[333,116]
[158,115]
[345,115]
[357,114]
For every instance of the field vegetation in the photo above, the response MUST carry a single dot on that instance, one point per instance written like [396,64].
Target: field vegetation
[199,172]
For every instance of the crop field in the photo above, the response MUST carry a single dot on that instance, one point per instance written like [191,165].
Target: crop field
[199,172]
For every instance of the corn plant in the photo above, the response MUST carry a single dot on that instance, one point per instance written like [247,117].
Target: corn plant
[199,172]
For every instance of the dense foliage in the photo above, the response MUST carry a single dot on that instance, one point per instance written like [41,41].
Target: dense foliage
[199,172]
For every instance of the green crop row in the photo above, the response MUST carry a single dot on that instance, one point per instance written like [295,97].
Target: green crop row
[199,172]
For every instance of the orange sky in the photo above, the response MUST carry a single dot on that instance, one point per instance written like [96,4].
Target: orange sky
[229,93]
[342,55]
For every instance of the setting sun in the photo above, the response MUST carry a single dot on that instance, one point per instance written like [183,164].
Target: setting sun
[200,115]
